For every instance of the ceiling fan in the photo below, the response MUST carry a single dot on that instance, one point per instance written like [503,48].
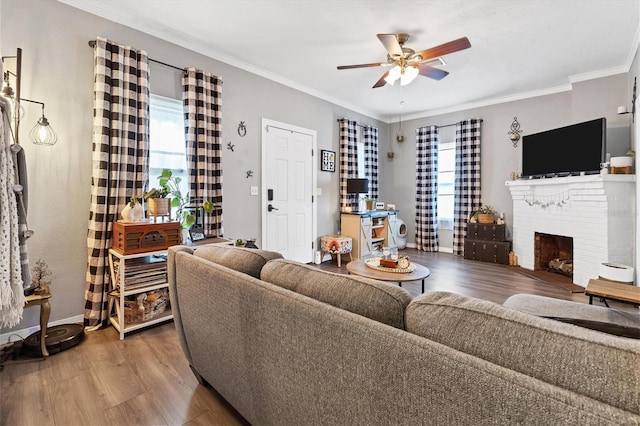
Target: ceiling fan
[407,63]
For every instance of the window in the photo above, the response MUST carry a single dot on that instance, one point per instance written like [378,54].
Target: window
[166,140]
[446,178]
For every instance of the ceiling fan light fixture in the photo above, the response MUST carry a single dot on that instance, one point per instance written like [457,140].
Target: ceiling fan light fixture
[394,74]
[408,75]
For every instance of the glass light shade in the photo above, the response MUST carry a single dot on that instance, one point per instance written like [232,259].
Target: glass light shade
[42,133]
[394,74]
[408,75]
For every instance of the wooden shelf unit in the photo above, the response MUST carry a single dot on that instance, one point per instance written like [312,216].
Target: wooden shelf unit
[370,231]
[127,284]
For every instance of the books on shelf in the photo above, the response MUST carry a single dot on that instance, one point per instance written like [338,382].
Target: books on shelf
[140,272]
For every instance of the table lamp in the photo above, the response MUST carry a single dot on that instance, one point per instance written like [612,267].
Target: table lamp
[358,186]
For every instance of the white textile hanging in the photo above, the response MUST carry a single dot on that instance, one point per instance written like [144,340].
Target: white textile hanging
[12,297]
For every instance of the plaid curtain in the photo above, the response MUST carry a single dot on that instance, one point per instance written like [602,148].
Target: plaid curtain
[120,158]
[348,162]
[427,139]
[202,97]
[370,136]
[467,197]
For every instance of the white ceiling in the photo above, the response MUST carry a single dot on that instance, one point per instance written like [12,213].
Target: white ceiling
[518,48]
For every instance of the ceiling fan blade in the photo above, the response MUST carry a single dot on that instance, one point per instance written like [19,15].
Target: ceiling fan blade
[431,72]
[382,81]
[348,67]
[390,42]
[443,49]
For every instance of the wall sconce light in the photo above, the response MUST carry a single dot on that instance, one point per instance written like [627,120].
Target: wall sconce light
[514,133]
[42,133]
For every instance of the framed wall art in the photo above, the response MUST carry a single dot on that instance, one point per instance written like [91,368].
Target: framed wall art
[327,161]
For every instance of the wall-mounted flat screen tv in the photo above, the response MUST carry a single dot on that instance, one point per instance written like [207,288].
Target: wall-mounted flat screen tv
[570,150]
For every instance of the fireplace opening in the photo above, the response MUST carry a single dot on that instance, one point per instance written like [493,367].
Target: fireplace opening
[553,253]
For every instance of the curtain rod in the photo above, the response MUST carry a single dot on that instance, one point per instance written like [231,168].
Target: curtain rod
[454,124]
[92,43]
[357,124]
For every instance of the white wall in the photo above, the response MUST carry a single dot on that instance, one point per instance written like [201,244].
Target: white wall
[58,70]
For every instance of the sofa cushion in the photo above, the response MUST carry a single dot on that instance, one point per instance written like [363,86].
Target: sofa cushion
[607,320]
[248,261]
[373,299]
[557,353]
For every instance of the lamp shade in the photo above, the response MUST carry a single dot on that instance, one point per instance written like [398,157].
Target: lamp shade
[357,186]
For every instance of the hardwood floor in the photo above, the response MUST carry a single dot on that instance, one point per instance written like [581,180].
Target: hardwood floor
[145,379]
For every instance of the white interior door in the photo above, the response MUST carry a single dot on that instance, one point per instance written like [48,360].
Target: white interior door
[288,224]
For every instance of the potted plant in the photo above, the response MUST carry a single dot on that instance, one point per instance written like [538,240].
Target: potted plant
[40,280]
[486,214]
[157,202]
[369,201]
[171,184]
[133,211]
[623,163]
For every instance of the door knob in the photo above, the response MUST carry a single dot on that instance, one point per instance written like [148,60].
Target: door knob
[270,207]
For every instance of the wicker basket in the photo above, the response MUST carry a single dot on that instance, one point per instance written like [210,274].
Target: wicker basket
[159,206]
[486,217]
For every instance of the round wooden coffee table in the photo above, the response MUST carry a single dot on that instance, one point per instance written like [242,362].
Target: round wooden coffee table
[358,267]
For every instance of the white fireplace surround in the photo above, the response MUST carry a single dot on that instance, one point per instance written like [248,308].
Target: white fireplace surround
[597,211]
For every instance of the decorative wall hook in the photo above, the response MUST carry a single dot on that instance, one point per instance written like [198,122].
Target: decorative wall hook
[514,133]
[249,173]
[242,129]
[230,146]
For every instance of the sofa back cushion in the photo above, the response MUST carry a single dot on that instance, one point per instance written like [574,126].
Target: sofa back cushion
[588,362]
[376,300]
[248,261]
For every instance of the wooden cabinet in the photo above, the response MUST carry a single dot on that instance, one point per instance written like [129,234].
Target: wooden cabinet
[140,295]
[370,231]
[487,243]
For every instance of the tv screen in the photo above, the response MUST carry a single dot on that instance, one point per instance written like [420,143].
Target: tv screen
[568,150]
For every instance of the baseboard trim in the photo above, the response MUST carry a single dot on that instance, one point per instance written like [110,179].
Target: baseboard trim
[22,334]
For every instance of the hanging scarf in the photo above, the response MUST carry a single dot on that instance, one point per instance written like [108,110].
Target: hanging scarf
[11,283]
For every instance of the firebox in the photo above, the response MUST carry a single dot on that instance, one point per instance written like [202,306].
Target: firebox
[553,253]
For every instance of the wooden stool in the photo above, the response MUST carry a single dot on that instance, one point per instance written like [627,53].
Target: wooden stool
[336,244]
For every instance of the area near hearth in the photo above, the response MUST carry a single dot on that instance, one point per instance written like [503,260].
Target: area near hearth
[597,212]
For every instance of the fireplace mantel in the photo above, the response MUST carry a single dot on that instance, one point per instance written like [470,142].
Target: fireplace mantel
[597,211]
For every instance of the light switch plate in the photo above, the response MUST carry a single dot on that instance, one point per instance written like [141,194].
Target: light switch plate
[254,190]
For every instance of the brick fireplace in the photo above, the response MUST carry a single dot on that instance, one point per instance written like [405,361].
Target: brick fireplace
[550,247]
[596,213]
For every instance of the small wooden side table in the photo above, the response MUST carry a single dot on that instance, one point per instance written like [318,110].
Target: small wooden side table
[45,310]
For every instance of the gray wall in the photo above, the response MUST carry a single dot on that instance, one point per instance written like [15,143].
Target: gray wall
[587,100]
[58,70]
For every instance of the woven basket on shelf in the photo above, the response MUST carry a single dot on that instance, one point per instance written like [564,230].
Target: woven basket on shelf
[159,206]
[486,217]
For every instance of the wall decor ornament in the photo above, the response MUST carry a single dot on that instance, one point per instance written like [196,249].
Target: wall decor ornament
[249,173]
[327,161]
[242,129]
[514,133]
[633,101]
[230,146]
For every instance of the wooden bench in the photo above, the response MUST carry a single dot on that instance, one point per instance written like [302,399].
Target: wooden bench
[612,290]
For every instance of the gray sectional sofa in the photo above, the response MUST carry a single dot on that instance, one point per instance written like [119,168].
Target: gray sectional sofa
[287,344]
